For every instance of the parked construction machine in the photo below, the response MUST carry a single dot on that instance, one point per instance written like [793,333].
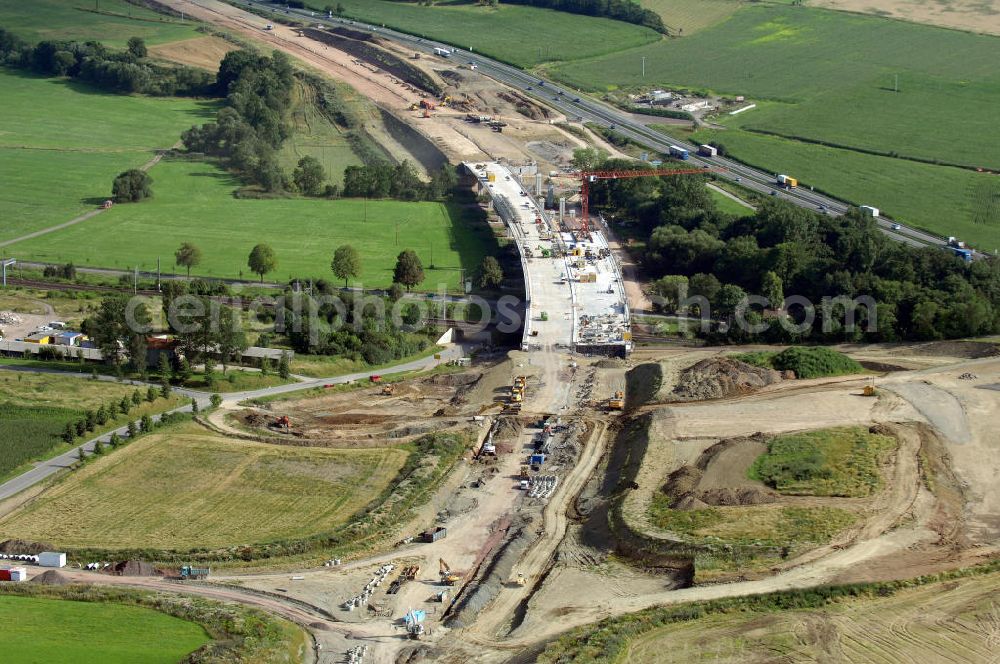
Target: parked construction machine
[282,422]
[448,577]
[388,390]
[870,390]
[617,402]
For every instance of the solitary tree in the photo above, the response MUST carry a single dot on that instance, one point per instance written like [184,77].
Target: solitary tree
[346,263]
[137,48]
[132,186]
[69,434]
[146,424]
[188,255]
[262,260]
[490,273]
[309,175]
[115,440]
[131,428]
[284,367]
[409,270]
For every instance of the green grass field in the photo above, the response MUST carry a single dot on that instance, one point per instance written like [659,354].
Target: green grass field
[53,630]
[523,36]
[314,135]
[62,144]
[728,205]
[829,462]
[187,487]
[76,19]
[193,201]
[34,410]
[940,199]
[768,525]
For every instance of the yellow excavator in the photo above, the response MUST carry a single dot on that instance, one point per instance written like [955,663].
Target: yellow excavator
[448,577]
[870,390]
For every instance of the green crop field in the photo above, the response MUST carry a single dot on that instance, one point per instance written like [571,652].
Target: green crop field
[831,76]
[34,410]
[187,487]
[940,199]
[54,630]
[523,36]
[117,21]
[62,144]
[193,202]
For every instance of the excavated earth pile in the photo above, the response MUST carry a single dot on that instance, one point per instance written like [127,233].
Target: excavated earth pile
[721,377]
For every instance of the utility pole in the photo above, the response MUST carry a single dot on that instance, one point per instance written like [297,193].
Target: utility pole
[895,86]
[135,281]
[644,66]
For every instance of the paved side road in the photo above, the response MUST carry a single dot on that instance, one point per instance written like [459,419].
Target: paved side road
[50,467]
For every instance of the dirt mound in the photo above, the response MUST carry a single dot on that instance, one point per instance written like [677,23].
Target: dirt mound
[739,496]
[720,377]
[690,503]
[507,428]
[965,349]
[682,482]
[134,568]
[52,578]
[880,366]
[16,546]
[611,363]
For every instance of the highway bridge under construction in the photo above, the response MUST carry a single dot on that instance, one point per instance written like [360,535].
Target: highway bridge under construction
[574,293]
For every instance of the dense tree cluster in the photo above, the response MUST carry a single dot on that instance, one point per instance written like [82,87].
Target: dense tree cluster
[382,179]
[132,186]
[628,11]
[253,123]
[783,251]
[317,328]
[119,71]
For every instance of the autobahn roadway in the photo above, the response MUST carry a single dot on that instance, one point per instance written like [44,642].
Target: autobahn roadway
[582,108]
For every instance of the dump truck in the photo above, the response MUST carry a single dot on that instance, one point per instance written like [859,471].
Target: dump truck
[786,181]
[189,572]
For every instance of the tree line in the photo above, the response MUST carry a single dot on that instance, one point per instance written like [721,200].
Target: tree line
[126,71]
[693,249]
[628,11]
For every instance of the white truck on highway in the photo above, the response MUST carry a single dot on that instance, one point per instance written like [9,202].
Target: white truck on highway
[786,181]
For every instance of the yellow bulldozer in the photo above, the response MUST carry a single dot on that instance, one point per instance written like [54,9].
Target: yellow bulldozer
[617,402]
[870,390]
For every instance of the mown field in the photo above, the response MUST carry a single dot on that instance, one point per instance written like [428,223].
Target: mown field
[686,17]
[523,36]
[62,144]
[940,199]
[728,205]
[193,202]
[113,25]
[316,136]
[190,488]
[34,410]
[954,621]
[53,630]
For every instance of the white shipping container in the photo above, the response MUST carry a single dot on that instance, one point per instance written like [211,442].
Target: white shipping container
[52,559]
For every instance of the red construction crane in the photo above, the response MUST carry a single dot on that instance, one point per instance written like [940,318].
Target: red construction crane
[593,176]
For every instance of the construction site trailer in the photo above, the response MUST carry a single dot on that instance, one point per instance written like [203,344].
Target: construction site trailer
[52,559]
[434,534]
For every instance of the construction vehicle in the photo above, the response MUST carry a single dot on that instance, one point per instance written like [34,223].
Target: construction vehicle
[388,390]
[189,572]
[787,182]
[375,378]
[427,104]
[869,390]
[516,396]
[448,577]
[617,402]
[414,621]
[525,472]
[521,579]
